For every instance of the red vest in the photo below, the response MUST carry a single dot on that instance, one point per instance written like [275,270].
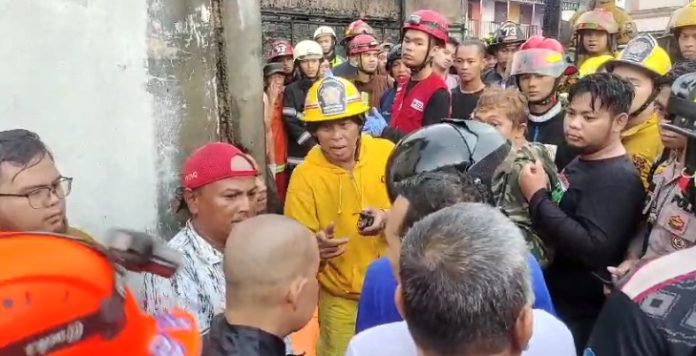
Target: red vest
[407,112]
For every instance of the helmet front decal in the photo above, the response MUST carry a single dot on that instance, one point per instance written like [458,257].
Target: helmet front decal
[638,50]
[332,97]
[281,49]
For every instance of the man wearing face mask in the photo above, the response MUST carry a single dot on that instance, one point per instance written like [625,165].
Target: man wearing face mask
[370,83]
[349,68]
[424,99]
[307,55]
[507,41]
[537,69]
[338,192]
[643,63]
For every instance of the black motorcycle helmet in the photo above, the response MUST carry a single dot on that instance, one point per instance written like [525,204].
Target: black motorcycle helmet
[464,145]
[393,55]
[508,33]
[682,106]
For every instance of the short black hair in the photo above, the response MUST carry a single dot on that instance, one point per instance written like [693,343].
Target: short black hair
[614,93]
[480,45]
[22,148]
[679,69]
[429,192]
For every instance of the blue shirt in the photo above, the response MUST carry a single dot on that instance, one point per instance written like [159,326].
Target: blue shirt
[386,103]
[376,305]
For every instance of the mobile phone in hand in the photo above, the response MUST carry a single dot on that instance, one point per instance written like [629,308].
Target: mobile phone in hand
[606,278]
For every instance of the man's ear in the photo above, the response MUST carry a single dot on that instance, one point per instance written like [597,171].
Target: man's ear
[524,326]
[191,199]
[620,122]
[399,299]
[295,291]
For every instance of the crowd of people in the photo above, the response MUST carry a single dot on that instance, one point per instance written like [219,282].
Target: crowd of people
[438,197]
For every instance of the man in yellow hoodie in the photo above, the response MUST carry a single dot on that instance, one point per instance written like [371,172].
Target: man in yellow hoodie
[643,63]
[339,193]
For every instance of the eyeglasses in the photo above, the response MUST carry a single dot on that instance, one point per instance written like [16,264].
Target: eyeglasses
[40,198]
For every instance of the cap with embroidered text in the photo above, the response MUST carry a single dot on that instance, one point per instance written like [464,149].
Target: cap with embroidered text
[213,162]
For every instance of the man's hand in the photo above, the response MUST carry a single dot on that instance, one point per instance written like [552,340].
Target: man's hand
[380,220]
[330,247]
[620,271]
[532,179]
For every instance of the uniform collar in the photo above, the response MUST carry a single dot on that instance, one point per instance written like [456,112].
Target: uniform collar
[201,247]
[652,121]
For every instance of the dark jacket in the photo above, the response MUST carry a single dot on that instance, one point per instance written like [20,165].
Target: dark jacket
[224,339]
[299,140]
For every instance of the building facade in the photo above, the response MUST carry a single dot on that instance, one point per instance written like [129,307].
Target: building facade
[652,16]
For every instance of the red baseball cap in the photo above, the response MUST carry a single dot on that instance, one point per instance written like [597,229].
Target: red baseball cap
[213,162]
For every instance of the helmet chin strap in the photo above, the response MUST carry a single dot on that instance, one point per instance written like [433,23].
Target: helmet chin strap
[416,69]
[362,69]
[645,105]
[552,97]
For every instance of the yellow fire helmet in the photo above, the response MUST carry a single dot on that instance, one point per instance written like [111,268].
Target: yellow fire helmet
[644,52]
[683,17]
[598,20]
[592,64]
[333,98]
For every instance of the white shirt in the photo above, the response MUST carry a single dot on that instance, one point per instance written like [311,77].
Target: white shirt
[549,337]
[197,287]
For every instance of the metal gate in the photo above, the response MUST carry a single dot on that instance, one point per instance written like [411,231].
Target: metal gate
[296,27]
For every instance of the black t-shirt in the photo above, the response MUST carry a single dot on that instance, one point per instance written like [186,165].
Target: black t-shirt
[550,132]
[464,104]
[589,230]
[436,109]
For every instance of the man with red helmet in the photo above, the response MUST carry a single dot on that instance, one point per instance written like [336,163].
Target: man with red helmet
[282,52]
[349,68]
[537,69]
[370,83]
[424,99]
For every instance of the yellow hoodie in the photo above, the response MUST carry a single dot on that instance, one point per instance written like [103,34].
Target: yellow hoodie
[644,146]
[321,193]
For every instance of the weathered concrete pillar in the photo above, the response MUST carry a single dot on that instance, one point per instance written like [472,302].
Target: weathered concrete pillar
[241,22]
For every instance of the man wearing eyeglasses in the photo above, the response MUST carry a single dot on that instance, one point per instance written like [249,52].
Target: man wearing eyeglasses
[32,190]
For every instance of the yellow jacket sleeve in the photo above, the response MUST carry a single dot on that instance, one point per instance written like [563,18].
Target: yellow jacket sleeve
[300,203]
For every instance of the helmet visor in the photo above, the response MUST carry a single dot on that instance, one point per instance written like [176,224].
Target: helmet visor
[539,61]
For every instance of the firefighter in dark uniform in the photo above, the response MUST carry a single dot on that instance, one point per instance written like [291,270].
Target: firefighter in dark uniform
[506,42]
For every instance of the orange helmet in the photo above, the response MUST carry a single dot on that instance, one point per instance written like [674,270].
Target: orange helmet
[64,297]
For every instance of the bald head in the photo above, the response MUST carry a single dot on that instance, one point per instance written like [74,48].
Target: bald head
[264,255]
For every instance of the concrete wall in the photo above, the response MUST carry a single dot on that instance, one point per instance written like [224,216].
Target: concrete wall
[651,16]
[120,90]
[450,8]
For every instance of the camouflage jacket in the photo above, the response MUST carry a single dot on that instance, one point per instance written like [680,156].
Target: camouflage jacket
[509,197]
